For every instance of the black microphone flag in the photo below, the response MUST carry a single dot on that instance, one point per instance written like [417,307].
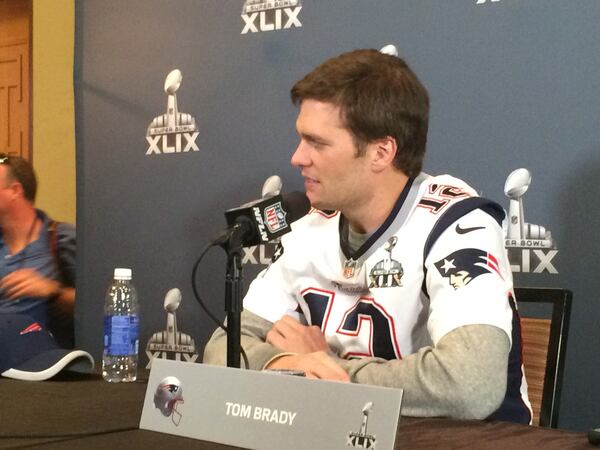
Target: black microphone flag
[265,219]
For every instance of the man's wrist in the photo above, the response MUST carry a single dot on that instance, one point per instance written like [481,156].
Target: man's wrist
[275,358]
[57,292]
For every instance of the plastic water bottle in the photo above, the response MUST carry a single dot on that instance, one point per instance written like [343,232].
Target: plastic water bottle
[121,329]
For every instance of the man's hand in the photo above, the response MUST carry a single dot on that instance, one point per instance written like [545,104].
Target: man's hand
[315,365]
[28,282]
[291,336]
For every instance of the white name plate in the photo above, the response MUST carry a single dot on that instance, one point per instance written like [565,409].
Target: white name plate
[263,410]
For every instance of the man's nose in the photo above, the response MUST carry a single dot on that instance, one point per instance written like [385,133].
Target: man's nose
[300,156]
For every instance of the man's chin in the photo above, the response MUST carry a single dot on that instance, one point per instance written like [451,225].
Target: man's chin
[314,201]
[319,204]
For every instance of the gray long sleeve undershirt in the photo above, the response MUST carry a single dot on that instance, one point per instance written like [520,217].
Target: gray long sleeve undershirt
[464,376]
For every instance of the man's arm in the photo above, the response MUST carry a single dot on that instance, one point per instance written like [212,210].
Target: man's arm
[65,299]
[253,336]
[464,376]
[28,282]
[262,354]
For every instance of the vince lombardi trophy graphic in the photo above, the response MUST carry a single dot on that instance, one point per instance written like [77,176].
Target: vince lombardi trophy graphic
[389,49]
[171,343]
[172,301]
[174,131]
[173,121]
[515,187]
[172,83]
[518,232]
[362,439]
[366,410]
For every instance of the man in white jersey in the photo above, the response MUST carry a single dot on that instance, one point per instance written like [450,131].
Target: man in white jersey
[395,277]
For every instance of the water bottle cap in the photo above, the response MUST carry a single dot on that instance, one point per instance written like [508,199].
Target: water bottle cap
[122,274]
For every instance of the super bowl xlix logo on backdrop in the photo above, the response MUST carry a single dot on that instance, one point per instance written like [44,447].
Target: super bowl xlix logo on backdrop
[270,15]
[171,343]
[530,247]
[174,131]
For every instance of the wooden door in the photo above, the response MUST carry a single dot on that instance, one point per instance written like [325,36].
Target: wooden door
[15,77]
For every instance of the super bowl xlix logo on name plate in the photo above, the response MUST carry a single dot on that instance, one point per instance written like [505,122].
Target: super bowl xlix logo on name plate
[362,439]
[270,15]
[174,131]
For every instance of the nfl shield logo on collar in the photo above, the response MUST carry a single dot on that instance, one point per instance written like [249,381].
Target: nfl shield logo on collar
[349,268]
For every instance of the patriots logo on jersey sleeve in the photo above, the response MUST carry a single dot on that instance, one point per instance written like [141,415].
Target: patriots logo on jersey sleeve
[463,266]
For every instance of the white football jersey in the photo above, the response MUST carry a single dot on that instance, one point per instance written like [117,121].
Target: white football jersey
[437,263]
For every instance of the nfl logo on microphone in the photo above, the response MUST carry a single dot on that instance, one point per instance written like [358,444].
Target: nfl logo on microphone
[275,218]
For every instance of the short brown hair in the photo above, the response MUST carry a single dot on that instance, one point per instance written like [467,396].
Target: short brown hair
[379,96]
[22,171]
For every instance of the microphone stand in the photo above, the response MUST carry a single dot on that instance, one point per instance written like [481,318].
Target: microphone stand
[233,295]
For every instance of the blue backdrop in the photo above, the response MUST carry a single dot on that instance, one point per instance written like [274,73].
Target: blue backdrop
[513,83]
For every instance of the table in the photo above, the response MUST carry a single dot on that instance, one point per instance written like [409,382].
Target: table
[82,411]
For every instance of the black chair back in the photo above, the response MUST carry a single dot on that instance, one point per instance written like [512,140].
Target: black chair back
[536,332]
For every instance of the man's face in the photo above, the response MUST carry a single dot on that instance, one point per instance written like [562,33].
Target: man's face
[6,191]
[334,177]
[460,279]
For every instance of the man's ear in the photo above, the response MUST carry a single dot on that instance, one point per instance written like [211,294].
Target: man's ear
[17,189]
[383,152]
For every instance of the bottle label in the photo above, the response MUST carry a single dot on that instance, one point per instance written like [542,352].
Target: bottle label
[121,335]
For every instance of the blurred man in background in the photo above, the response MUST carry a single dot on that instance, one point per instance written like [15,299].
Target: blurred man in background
[37,254]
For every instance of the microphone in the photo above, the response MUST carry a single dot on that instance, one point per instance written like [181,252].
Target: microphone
[265,219]
[268,218]
[254,223]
